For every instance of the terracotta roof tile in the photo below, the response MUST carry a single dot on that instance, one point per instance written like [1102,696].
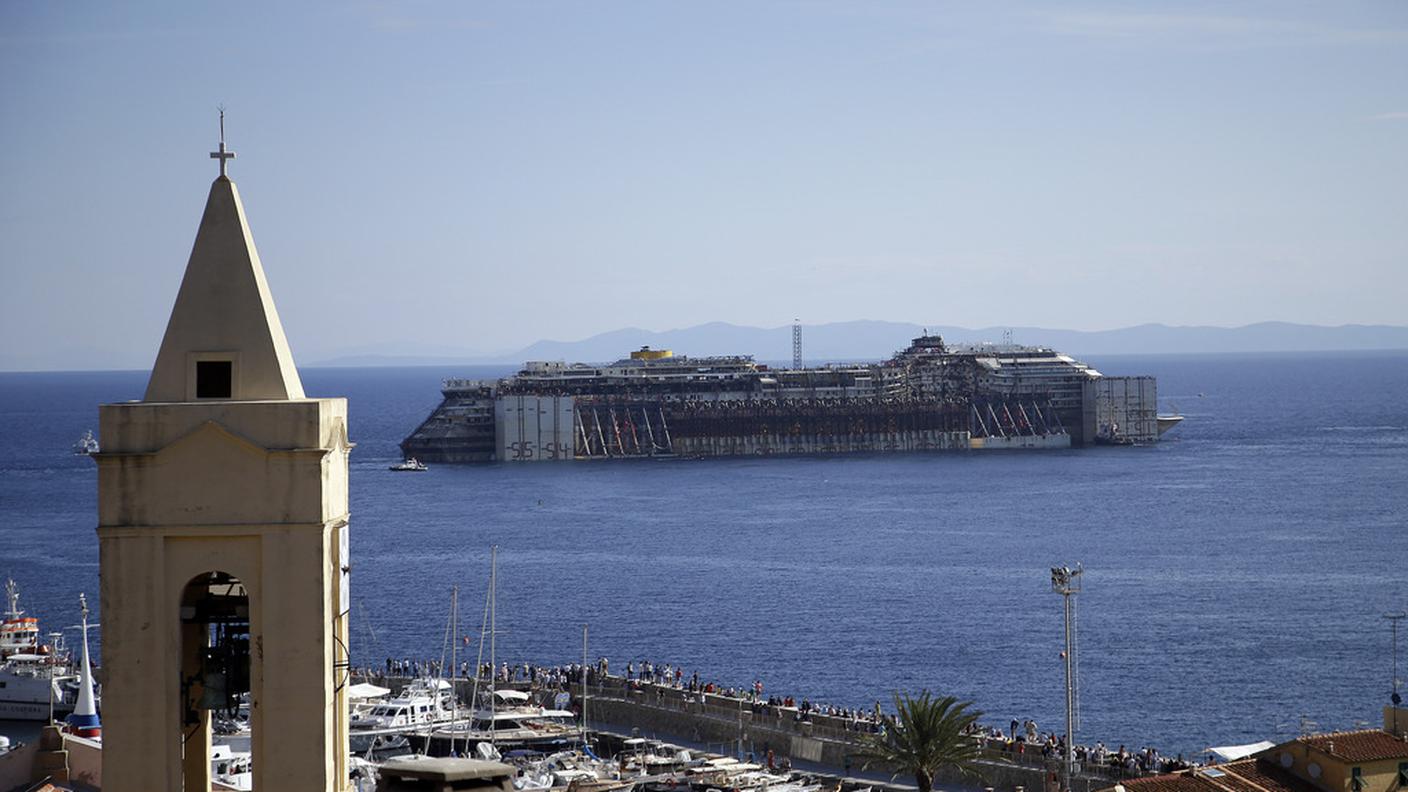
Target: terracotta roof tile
[1359,746]
[1244,775]
[1268,775]
[1182,781]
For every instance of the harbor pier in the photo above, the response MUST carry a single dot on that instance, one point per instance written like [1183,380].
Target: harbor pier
[813,742]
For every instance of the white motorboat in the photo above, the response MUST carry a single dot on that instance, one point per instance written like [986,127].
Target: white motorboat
[518,727]
[410,465]
[570,770]
[421,706]
[640,756]
[232,768]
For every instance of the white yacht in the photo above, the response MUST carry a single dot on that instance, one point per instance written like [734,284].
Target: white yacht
[234,769]
[507,721]
[410,465]
[419,707]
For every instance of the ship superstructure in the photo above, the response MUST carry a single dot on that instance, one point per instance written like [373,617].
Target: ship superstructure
[928,397]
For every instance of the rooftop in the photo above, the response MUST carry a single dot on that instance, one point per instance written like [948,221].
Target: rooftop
[1369,745]
[1245,775]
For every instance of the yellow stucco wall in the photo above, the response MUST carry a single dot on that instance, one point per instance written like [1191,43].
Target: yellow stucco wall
[1335,773]
[255,489]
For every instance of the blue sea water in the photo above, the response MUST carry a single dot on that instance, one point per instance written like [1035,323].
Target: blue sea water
[1237,573]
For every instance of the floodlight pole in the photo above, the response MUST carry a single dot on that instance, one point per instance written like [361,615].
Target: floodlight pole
[1066,582]
[1394,619]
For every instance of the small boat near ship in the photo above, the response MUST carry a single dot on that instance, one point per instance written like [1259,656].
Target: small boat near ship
[87,444]
[409,465]
[1167,422]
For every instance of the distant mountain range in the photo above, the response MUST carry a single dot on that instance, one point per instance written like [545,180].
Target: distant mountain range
[874,340]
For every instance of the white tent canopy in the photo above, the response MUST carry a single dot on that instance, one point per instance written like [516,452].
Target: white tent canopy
[1231,753]
[366,690]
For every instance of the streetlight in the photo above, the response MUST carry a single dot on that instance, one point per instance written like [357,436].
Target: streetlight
[1394,619]
[1066,582]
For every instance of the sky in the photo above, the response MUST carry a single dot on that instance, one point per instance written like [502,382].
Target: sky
[425,178]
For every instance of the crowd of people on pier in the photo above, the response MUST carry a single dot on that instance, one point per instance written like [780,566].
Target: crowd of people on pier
[558,676]
[1022,741]
[804,710]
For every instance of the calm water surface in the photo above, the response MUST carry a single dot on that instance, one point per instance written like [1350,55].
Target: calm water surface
[1237,573]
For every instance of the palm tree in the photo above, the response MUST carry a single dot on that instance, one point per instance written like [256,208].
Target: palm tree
[927,735]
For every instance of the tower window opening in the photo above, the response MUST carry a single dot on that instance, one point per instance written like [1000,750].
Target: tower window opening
[214,379]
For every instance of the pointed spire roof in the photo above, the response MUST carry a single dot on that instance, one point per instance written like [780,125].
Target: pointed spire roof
[84,720]
[224,314]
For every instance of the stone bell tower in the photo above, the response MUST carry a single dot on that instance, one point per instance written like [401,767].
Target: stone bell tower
[222,526]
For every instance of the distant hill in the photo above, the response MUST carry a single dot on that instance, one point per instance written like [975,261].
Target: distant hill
[863,340]
[874,340]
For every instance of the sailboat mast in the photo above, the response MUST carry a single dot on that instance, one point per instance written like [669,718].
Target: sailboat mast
[454,663]
[584,686]
[493,639]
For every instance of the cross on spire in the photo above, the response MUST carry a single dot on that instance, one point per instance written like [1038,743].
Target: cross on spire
[222,154]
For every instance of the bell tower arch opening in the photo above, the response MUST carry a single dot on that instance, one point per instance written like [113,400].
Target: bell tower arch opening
[215,668]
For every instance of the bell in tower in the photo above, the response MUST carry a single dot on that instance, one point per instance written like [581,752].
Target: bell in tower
[222,527]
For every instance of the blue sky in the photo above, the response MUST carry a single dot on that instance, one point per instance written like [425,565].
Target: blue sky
[427,177]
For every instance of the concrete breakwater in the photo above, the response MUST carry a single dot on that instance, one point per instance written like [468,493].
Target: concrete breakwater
[831,742]
[816,740]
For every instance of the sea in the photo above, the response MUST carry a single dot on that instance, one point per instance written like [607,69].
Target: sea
[1236,575]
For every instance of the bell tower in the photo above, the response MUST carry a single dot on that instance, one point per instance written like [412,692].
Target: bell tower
[222,528]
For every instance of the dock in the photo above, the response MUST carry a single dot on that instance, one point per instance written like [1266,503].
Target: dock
[817,744]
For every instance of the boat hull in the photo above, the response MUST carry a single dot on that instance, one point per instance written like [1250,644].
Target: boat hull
[30,710]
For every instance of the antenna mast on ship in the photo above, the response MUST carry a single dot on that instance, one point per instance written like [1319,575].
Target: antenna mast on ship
[12,595]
